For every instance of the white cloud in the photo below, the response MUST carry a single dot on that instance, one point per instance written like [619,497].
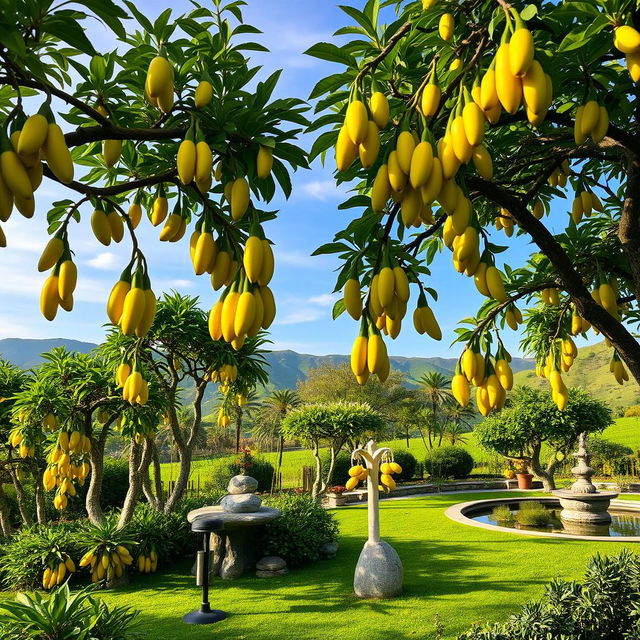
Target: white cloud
[106,261]
[324,300]
[307,310]
[301,316]
[322,190]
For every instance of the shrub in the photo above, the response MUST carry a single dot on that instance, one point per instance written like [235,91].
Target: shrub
[260,469]
[609,458]
[533,514]
[604,607]
[448,462]
[501,514]
[408,463]
[632,411]
[25,555]
[300,533]
[61,615]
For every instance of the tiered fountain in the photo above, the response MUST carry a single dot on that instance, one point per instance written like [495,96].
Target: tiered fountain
[584,508]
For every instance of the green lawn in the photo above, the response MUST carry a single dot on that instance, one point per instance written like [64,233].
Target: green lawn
[625,431]
[460,573]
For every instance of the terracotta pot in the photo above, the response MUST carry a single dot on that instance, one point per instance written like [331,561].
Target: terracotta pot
[524,480]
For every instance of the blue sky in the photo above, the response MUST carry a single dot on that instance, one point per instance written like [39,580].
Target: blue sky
[302,284]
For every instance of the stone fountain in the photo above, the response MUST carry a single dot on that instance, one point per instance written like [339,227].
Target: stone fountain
[584,508]
[242,514]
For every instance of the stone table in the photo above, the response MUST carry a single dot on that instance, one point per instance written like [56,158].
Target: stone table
[233,551]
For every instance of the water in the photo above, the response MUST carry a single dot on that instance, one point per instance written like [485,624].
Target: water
[623,523]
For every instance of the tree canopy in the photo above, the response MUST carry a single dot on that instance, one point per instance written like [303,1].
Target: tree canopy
[453,119]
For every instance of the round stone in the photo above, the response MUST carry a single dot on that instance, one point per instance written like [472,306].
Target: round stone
[241,503]
[379,571]
[271,563]
[271,574]
[242,484]
[328,550]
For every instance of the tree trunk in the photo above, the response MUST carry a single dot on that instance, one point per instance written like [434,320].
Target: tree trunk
[332,464]
[139,461]
[185,448]
[155,494]
[629,225]
[238,412]
[540,473]
[41,510]
[5,518]
[21,498]
[317,481]
[94,492]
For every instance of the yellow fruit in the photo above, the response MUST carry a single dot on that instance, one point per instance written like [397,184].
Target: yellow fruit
[461,147]
[388,481]
[227,318]
[482,162]
[58,155]
[357,122]
[386,287]
[204,252]
[421,164]
[411,206]
[488,93]
[397,177]
[132,310]
[171,228]
[67,279]
[6,200]
[49,298]
[203,94]
[448,158]
[269,307]
[353,298]
[473,118]
[534,88]
[495,284]
[433,186]
[100,227]
[244,314]
[159,210]
[33,135]
[352,483]
[239,198]
[253,258]
[600,130]
[430,324]
[633,65]
[446,26]
[508,87]
[590,117]
[626,39]
[186,161]
[359,355]
[430,99]
[111,151]
[159,77]
[51,254]
[401,284]
[204,163]
[149,314]
[215,321]
[379,106]
[346,150]
[264,162]
[370,146]
[116,226]
[504,373]
[268,263]
[381,189]
[521,52]
[115,304]
[460,389]
[376,354]
[15,175]
[405,147]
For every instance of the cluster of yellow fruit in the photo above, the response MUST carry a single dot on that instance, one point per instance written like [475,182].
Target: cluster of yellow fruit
[226,375]
[584,204]
[195,160]
[513,317]
[606,295]
[369,353]
[618,369]
[135,389]
[107,225]
[56,571]
[488,281]
[592,120]
[626,39]
[224,418]
[559,359]
[66,464]
[358,473]
[492,378]
[106,561]
[247,304]
[505,222]
[558,177]
[159,88]
[57,290]
[26,449]
[147,563]
[132,303]
[32,140]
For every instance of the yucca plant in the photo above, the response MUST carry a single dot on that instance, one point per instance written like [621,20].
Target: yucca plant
[62,615]
[107,549]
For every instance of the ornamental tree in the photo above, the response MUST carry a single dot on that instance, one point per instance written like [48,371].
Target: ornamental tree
[456,118]
[533,421]
[334,425]
[145,126]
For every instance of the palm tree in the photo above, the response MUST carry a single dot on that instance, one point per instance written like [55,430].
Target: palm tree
[436,387]
[268,424]
[459,421]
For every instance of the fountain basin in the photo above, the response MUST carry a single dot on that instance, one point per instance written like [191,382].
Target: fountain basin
[624,527]
[585,508]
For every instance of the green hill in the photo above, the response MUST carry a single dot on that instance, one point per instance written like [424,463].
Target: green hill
[590,371]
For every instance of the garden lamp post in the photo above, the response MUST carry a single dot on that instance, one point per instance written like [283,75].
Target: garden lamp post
[379,570]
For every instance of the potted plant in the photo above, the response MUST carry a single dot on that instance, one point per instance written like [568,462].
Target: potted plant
[525,479]
[335,497]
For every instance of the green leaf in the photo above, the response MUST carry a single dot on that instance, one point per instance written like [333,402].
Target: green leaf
[68,31]
[11,38]
[338,308]
[529,12]
[331,53]
[331,247]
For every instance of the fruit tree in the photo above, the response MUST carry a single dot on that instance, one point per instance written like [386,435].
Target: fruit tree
[459,117]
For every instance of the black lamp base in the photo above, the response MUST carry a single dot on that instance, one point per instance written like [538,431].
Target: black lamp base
[204,617]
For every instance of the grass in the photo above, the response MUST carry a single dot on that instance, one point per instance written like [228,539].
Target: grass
[625,431]
[461,574]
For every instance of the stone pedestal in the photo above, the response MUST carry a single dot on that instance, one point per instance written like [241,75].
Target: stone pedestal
[379,571]
[585,508]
